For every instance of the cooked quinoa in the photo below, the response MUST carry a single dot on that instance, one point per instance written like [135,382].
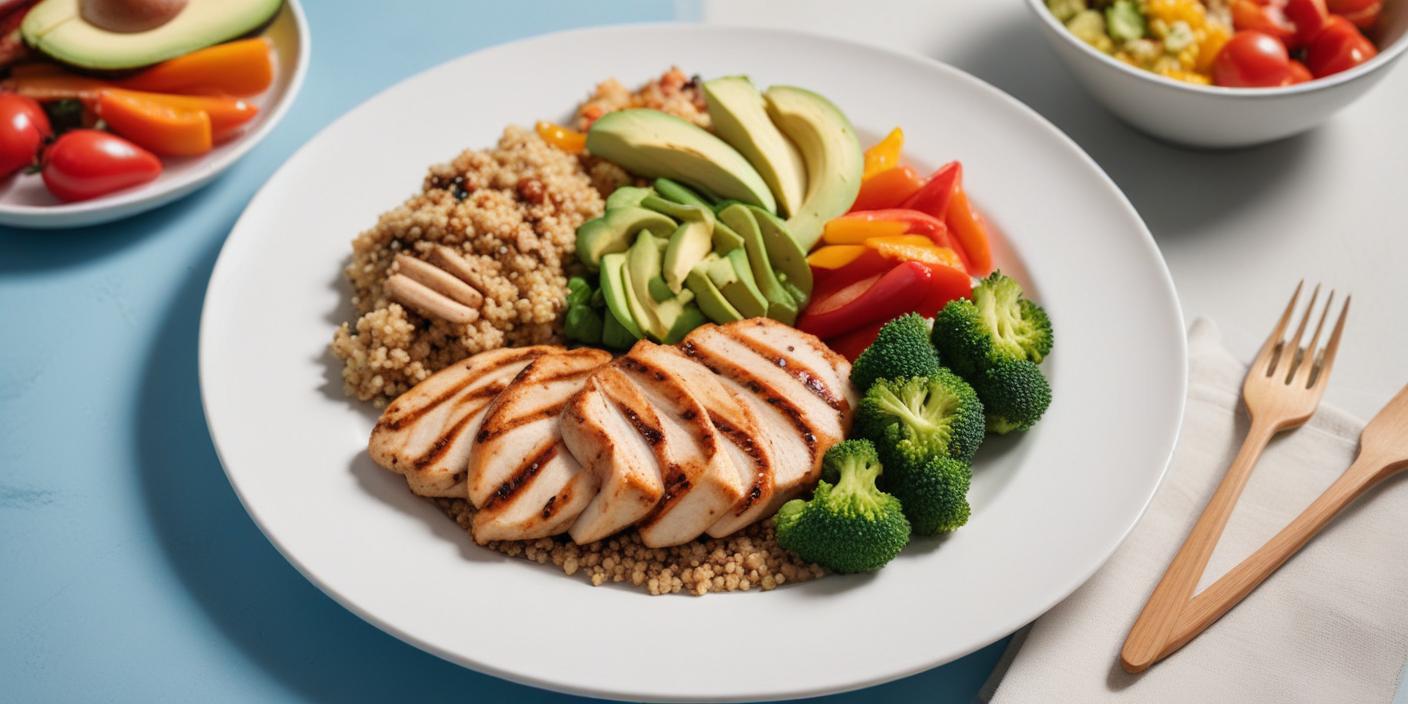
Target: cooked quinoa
[748,559]
[513,212]
[673,92]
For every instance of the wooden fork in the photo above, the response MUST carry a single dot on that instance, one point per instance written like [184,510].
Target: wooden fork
[1282,389]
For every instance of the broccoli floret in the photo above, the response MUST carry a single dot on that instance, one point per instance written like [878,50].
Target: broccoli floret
[850,526]
[934,494]
[997,322]
[901,349]
[1015,394]
[917,418]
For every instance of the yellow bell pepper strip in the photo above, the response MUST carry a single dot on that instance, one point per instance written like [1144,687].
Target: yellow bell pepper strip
[243,67]
[567,140]
[162,129]
[835,256]
[884,155]
[848,230]
[915,222]
[915,248]
[887,189]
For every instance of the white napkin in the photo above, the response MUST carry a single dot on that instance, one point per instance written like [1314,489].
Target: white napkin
[1330,626]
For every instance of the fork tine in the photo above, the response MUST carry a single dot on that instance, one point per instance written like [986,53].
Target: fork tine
[1290,362]
[1333,346]
[1265,359]
[1312,351]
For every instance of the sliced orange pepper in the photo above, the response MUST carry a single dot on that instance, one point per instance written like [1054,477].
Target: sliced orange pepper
[227,115]
[967,227]
[885,154]
[242,67]
[915,248]
[160,128]
[857,230]
[887,189]
[835,256]
[568,140]
[48,85]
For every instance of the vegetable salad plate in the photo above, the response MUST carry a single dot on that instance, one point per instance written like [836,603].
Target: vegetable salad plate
[1049,505]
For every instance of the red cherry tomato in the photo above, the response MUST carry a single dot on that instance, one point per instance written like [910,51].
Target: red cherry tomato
[1258,17]
[1366,18]
[23,129]
[1251,60]
[1309,17]
[1299,73]
[1340,46]
[85,164]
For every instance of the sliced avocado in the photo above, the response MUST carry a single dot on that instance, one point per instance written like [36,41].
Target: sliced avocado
[651,144]
[710,299]
[679,193]
[742,292]
[720,270]
[787,258]
[615,335]
[781,306]
[740,117]
[678,211]
[689,244]
[614,232]
[627,195]
[659,290]
[59,29]
[689,318]
[725,239]
[643,264]
[830,151]
[615,289]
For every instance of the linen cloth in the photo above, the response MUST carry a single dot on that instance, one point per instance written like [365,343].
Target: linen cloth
[1330,626]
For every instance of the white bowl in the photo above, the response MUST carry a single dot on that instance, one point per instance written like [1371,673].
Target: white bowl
[24,202]
[1211,116]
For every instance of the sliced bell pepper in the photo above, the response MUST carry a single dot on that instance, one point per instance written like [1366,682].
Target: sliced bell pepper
[227,115]
[879,297]
[54,85]
[970,233]
[851,344]
[947,284]
[242,67]
[834,256]
[916,248]
[885,154]
[163,129]
[887,189]
[568,140]
[848,230]
[866,264]
[916,223]
[933,198]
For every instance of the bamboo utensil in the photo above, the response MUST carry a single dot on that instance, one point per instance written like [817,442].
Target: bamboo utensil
[1282,389]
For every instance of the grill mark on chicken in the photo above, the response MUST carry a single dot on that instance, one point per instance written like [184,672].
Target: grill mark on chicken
[728,368]
[651,434]
[397,422]
[677,484]
[442,443]
[807,376]
[556,502]
[522,476]
[744,441]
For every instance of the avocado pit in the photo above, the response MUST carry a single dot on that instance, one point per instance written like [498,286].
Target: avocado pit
[128,16]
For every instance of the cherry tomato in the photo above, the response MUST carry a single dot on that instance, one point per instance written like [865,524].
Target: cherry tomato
[1309,17]
[1258,17]
[23,129]
[85,164]
[1338,47]
[1251,60]
[1299,73]
[1363,13]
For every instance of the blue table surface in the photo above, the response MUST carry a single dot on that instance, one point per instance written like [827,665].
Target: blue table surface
[128,569]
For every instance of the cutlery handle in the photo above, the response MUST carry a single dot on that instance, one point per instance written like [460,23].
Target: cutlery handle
[1152,631]
[1231,588]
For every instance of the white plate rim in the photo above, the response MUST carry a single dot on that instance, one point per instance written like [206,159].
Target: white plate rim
[1165,282]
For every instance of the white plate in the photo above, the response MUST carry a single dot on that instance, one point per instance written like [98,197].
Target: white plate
[24,202]
[1049,507]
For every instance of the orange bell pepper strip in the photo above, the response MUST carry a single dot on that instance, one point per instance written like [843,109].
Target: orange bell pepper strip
[887,189]
[916,223]
[243,67]
[915,248]
[567,140]
[848,230]
[227,115]
[970,232]
[159,128]
[834,256]
[884,155]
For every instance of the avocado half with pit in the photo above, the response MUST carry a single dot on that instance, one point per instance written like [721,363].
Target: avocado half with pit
[652,144]
[113,35]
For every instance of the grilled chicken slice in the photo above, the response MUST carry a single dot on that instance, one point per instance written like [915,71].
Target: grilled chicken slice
[616,435]
[426,433]
[749,448]
[796,387]
[701,483]
[521,476]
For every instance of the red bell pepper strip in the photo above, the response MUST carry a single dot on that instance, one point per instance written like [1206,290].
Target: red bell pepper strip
[880,297]
[887,189]
[970,233]
[868,265]
[933,198]
[947,284]
[851,344]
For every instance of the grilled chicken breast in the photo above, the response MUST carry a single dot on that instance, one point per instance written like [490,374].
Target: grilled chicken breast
[744,441]
[796,387]
[520,475]
[616,435]
[701,482]
[426,433]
